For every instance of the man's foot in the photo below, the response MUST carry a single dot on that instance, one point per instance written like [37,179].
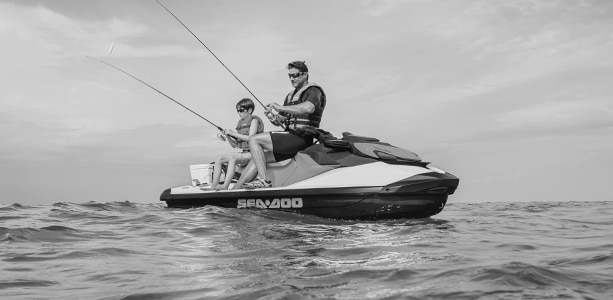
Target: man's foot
[258,183]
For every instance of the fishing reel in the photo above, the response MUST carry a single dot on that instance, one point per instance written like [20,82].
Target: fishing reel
[276,118]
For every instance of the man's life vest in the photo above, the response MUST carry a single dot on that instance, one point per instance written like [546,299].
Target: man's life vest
[243,126]
[296,97]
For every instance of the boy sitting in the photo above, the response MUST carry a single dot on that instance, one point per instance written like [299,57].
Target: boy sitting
[247,126]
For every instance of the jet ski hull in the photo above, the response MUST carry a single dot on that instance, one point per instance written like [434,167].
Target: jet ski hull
[422,197]
[349,206]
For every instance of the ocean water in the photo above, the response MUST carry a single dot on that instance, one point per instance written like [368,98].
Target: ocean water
[123,250]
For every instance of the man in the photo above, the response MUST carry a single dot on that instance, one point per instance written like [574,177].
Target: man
[302,109]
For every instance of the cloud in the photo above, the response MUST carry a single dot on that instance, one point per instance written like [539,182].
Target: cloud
[384,7]
[48,81]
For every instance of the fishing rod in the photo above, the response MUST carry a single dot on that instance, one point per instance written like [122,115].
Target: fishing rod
[177,102]
[207,48]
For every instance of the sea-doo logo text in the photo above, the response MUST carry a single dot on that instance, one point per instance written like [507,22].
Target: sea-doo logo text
[274,203]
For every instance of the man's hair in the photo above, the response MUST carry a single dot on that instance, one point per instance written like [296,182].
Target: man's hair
[246,103]
[300,65]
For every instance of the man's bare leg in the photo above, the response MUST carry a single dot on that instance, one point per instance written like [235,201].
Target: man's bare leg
[250,171]
[257,144]
[247,175]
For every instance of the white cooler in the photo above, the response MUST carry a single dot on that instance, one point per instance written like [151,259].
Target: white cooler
[201,174]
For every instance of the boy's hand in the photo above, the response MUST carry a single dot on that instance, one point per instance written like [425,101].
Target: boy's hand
[229,132]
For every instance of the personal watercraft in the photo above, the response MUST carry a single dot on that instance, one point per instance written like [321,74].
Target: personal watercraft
[354,177]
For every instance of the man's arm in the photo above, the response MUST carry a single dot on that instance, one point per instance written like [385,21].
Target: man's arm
[312,99]
[303,108]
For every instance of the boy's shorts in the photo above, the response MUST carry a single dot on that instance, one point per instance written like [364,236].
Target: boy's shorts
[242,158]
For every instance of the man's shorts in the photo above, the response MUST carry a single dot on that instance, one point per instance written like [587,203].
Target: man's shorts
[285,144]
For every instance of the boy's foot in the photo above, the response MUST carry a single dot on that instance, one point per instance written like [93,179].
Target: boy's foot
[258,183]
[211,188]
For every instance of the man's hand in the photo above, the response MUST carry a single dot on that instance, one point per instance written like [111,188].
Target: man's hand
[272,113]
[275,106]
[275,119]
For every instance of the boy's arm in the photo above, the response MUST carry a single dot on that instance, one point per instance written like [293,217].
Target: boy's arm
[232,141]
[254,127]
[227,136]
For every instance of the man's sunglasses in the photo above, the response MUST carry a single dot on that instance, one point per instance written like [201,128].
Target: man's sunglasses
[242,109]
[295,75]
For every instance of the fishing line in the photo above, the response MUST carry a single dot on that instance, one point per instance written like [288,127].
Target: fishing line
[177,102]
[207,48]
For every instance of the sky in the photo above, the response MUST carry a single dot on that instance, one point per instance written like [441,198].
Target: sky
[513,97]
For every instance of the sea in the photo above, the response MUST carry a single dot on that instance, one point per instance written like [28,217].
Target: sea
[126,250]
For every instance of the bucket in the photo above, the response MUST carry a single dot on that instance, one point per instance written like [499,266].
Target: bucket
[202,174]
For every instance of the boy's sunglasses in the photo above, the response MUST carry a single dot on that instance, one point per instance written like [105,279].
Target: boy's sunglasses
[242,109]
[295,75]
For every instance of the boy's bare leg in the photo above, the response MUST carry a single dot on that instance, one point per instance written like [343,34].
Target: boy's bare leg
[217,170]
[229,173]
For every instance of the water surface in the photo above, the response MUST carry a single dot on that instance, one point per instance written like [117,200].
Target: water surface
[123,250]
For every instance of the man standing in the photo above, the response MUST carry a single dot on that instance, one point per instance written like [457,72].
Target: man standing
[302,109]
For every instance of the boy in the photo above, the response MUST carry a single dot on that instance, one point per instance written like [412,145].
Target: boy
[247,126]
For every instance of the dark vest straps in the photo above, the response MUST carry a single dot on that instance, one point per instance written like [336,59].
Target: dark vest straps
[296,97]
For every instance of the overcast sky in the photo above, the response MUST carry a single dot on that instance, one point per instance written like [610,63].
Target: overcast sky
[513,97]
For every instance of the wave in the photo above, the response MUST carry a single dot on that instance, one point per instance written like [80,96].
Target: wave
[26,283]
[53,233]
[599,259]
[185,294]
[518,274]
[55,255]
[15,207]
